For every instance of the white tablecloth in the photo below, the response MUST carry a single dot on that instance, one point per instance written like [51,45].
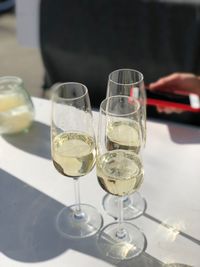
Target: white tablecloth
[32,193]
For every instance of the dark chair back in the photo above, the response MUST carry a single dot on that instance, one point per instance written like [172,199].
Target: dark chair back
[84,40]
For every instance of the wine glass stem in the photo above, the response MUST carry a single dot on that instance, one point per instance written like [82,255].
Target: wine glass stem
[78,212]
[121,232]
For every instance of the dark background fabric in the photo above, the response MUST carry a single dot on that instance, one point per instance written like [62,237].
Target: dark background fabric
[84,40]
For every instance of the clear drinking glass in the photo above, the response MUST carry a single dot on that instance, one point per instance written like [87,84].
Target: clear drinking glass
[120,172]
[73,149]
[128,82]
[16,107]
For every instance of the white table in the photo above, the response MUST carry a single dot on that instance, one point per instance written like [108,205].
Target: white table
[32,192]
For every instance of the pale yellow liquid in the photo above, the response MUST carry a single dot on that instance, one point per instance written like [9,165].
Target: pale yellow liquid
[10,100]
[119,172]
[124,135]
[73,153]
[15,115]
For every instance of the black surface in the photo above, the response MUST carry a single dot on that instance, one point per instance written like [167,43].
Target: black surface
[85,40]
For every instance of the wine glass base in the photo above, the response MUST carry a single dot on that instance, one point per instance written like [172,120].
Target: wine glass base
[85,224]
[134,205]
[133,244]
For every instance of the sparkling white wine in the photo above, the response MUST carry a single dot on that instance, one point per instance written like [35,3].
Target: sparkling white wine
[73,153]
[124,135]
[119,172]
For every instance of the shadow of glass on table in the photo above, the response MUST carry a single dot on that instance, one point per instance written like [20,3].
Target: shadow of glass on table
[184,134]
[28,228]
[184,118]
[35,140]
[180,133]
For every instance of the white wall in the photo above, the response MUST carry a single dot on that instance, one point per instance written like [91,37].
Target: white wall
[27,15]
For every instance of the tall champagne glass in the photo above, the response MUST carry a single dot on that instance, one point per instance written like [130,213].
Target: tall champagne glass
[73,149]
[120,172]
[130,83]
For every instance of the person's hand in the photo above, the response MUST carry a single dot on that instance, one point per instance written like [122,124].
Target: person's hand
[176,82]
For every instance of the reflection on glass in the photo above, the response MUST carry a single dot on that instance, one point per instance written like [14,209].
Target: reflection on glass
[170,230]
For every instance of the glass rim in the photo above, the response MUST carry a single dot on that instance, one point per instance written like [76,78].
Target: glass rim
[105,112]
[11,78]
[126,69]
[56,88]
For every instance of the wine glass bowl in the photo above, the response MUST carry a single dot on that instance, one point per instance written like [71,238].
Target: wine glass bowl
[73,148]
[119,172]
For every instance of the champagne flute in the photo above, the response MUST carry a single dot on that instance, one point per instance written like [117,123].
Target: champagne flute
[131,83]
[73,149]
[120,172]
[128,82]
